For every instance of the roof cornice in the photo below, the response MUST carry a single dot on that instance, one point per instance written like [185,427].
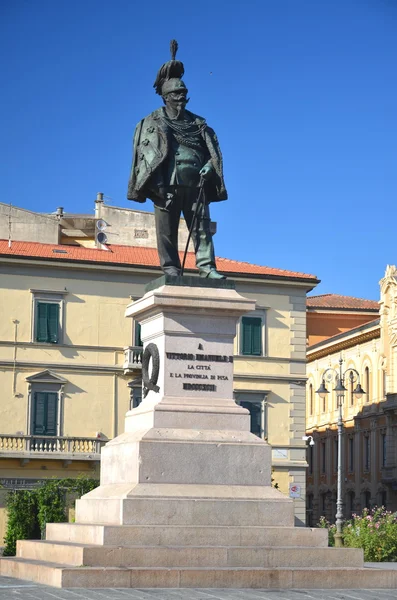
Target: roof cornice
[307,283]
[346,311]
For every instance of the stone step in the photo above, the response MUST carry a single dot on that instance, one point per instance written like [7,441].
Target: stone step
[249,578]
[162,535]
[185,511]
[192,557]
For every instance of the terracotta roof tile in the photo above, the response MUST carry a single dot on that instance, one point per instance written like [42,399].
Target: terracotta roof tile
[135,256]
[336,301]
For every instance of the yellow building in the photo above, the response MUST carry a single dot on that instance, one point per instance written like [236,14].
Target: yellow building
[369,440]
[70,361]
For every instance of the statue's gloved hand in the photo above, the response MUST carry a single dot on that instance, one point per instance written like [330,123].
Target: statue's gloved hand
[165,196]
[206,172]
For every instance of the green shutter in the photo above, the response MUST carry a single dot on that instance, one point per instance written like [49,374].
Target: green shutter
[255,414]
[47,322]
[251,336]
[256,336]
[51,416]
[39,410]
[45,413]
[246,336]
[41,322]
[137,341]
[53,322]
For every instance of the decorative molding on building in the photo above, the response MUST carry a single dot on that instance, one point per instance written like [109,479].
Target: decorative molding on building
[32,366]
[344,344]
[46,376]
[44,292]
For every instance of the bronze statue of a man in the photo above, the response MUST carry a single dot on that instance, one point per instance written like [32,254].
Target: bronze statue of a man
[175,153]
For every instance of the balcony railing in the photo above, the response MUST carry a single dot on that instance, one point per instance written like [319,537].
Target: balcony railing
[72,447]
[132,358]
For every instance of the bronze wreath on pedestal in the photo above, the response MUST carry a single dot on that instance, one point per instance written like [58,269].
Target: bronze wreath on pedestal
[150,383]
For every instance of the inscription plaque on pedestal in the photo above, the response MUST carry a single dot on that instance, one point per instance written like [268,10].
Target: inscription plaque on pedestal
[199,372]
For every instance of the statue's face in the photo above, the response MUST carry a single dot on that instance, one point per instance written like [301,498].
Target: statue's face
[177,100]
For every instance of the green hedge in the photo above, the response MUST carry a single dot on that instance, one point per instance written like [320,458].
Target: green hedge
[28,511]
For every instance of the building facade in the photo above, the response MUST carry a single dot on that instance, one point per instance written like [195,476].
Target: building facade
[369,447]
[70,361]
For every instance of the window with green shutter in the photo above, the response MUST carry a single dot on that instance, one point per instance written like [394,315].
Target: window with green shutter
[45,405]
[251,336]
[255,415]
[47,322]
[137,336]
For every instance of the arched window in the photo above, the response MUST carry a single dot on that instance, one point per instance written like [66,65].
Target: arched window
[367,384]
[351,389]
[311,459]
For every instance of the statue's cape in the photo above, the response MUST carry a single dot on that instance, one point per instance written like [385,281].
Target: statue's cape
[151,147]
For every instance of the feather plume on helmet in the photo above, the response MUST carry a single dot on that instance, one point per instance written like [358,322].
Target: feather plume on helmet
[169,76]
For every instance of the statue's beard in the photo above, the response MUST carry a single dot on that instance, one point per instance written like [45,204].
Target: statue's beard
[177,109]
[180,109]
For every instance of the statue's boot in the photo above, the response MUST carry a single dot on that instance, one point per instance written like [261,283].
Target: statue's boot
[173,271]
[211,274]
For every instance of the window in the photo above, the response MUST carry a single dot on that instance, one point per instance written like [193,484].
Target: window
[48,316]
[135,397]
[47,322]
[383,449]
[367,500]
[137,334]
[367,384]
[45,404]
[367,457]
[45,410]
[256,404]
[323,457]
[252,332]
[325,403]
[351,389]
[255,414]
[351,454]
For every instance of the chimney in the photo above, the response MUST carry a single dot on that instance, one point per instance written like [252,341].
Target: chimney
[98,205]
[59,212]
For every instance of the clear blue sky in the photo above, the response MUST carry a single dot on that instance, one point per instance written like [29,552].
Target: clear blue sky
[302,95]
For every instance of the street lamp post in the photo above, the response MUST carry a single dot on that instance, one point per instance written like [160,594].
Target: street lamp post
[340,389]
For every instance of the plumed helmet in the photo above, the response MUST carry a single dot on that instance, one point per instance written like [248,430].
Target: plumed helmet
[172,85]
[169,77]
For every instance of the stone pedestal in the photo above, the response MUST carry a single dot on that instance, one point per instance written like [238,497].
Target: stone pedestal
[185,498]
[187,447]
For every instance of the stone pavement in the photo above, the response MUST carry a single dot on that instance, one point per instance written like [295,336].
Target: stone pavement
[25,590]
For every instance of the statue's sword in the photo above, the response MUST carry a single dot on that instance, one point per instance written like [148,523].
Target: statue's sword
[200,200]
